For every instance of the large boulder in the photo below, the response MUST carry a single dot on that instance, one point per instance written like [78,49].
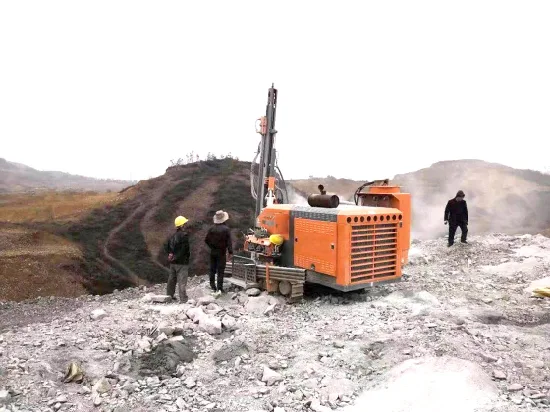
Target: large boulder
[431,384]
[210,324]
[260,305]
[195,314]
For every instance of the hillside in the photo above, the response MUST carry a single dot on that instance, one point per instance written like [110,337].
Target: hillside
[116,239]
[500,198]
[69,243]
[345,188]
[37,262]
[15,177]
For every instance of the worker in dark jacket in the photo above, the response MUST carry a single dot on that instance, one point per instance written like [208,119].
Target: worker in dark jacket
[456,214]
[220,243]
[178,250]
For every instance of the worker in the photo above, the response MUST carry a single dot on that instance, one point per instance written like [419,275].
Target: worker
[456,214]
[178,250]
[220,243]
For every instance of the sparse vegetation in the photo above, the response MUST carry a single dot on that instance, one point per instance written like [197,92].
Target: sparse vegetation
[51,206]
[193,157]
[91,233]
[178,193]
[234,194]
[178,162]
[129,247]
[87,221]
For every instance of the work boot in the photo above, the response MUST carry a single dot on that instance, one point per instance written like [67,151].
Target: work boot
[464,241]
[449,244]
[184,299]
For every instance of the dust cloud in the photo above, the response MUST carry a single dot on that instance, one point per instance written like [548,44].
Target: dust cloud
[500,199]
[428,208]
[295,198]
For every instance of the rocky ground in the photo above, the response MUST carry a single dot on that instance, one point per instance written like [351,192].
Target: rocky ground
[460,332]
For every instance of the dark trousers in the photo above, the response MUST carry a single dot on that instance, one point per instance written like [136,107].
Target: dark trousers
[179,275]
[452,230]
[217,265]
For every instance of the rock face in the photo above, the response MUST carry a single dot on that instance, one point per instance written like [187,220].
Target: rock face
[253,292]
[270,377]
[459,331]
[431,384]
[263,304]
[165,358]
[210,325]
[98,314]
[161,298]
[5,397]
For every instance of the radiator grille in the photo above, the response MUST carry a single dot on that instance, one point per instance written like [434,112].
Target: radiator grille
[373,252]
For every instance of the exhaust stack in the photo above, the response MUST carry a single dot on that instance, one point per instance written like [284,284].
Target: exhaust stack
[323,200]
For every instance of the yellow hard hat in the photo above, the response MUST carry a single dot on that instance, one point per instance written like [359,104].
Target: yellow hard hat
[276,239]
[180,221]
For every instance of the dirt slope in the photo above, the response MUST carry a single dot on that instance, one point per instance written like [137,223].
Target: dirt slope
[35,263]
[117,238]
[500,198]
[15,177]
[123,243]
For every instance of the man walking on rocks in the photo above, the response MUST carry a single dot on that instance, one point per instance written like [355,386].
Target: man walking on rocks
[220,243]
[456,214]
[178,250]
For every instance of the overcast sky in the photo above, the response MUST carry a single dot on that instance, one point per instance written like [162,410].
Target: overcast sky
[367,89]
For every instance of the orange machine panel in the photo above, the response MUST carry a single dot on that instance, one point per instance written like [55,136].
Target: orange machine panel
[315,245]
[275,220]
[403,203]
[391,196]
[372,251]
[343,277]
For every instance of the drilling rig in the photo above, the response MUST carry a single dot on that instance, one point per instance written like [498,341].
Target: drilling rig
[346,246]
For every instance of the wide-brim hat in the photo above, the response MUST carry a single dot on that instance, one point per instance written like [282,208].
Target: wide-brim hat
[220,217]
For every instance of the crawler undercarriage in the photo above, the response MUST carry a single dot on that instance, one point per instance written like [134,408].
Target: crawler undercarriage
[247,273]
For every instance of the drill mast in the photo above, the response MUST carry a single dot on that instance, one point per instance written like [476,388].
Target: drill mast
[266,168]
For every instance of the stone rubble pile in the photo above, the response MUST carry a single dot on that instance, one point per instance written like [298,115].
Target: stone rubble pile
[249,351]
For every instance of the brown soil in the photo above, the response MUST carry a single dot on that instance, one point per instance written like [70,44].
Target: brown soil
[52,206]
[97,243]
[35,263]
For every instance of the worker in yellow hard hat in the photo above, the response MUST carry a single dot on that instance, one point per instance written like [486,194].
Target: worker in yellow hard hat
[178,250]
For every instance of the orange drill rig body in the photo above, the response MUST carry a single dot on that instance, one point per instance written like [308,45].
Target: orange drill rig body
[342,246]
